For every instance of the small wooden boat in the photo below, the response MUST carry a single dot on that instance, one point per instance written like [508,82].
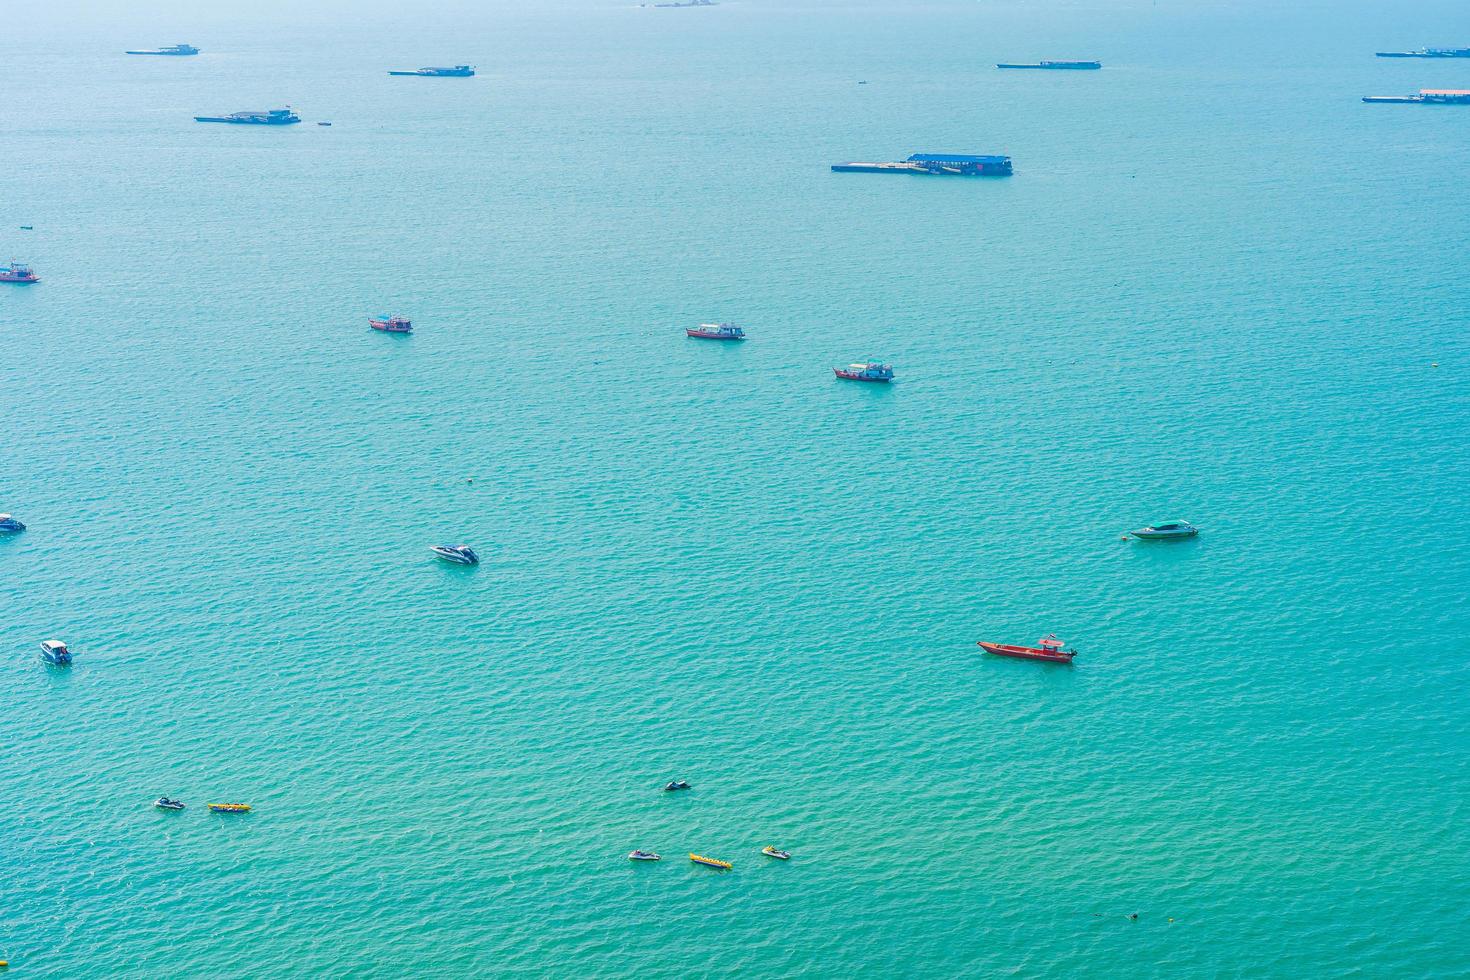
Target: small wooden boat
[391,324]
[866,371]
[230,807]
[771,851]
[644,856]
[1048,648]
[711,862]
[716,331]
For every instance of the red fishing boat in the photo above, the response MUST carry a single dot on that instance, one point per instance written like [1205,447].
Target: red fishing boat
[391,324]
[1048,648]
[17,272]
[716,331]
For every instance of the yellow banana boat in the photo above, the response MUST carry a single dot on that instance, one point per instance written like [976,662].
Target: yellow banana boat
[229,807]
[711,862]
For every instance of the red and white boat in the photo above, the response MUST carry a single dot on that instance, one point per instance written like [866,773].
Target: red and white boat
[17,272]
[391,324]
[1048,648]
[716,331]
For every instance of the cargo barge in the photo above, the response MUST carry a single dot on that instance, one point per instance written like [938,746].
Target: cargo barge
[1060,65]
[952,164]
[174,50]
[1427,53]
[270,117]
[1426,96]
[458,71]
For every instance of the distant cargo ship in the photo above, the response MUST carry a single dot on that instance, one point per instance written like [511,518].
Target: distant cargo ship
[1428,96]
[935,163]
[1428,53]
[458,71]
[270,117]
[172,49]
[1060,65]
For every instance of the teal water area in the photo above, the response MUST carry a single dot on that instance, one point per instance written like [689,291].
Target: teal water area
[1217,288]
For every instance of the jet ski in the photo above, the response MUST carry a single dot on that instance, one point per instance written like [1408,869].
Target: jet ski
[776,852]
[677,784]
[164,803]
[644,856]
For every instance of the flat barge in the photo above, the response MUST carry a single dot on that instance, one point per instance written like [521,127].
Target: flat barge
[1427,53]
[173,50]
[1426,96]
[950,164]
[458,71]
[270,117]
[1060,65]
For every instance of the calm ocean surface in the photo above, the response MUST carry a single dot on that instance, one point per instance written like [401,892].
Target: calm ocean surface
[1215,289]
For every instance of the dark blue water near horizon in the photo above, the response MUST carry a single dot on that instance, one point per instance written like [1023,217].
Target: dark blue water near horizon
[1219,287]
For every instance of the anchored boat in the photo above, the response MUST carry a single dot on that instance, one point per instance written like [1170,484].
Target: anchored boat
[458,71]
[1427,53]
[172,49]
[866,371]
[1060,65]
[1166,529]
[1048,648]
[17,272]
[267,117]
[391,324]
[716,331]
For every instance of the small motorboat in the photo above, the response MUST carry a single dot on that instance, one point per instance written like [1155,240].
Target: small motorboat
[709,862]
[716,331]
[644,856]
[229,807]
[866,371]
[1166,529]
[8,523]
[55,652]
[460,554]
[164,803]
[775,852]
[391,324]
[677,784]
[17,272]
[1048,648]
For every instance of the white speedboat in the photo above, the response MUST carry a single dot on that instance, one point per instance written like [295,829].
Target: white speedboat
[8,523]
[55,652]
[644,856]
[460,554]
[1166,529]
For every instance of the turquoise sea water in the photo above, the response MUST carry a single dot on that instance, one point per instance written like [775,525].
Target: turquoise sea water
[1215,289]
